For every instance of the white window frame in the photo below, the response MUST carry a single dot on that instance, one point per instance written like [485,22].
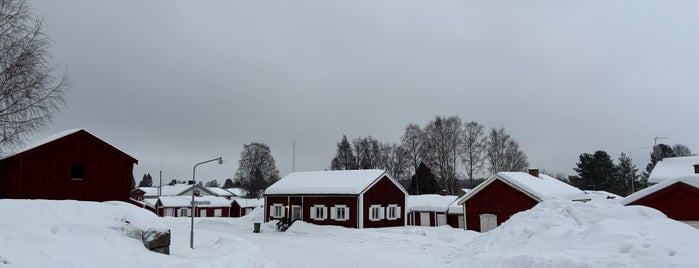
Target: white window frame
[202,213]
[168,212]
[184,212]
[218,212]
[339,213]
[394,212]
[319,212]
[376,212]
[276,210]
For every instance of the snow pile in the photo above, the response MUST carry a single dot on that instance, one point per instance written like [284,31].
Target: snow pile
[559,233]
[43,233]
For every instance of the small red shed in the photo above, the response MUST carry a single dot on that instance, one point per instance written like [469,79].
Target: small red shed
[493,202]
[73,164]
[243,206]
[429,209]
[349,198]
[678,198]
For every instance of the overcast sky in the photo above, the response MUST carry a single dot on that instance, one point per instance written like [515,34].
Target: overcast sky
[176,82]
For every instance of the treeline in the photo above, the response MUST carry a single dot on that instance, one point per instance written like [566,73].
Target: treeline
[458,153]
[597,171]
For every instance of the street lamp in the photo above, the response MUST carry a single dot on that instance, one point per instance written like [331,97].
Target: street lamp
[194,184]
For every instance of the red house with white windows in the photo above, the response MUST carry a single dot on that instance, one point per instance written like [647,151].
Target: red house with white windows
[678,198]
[180,206]
[429,209]
[349,198]
[495,200]
[73,164]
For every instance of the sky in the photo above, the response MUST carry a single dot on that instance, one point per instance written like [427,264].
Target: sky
[175,82]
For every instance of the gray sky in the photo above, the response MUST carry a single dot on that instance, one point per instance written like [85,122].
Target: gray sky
[175,82]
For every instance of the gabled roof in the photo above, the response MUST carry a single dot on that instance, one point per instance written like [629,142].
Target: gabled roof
[692,180]
[219,191]
[673,167]
[539,188]
[236,191]
[351,182]
[174,190]
[429,202]
[249,203]
[66,135]
[148,191]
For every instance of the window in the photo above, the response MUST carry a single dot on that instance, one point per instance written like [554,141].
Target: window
[183,212]
[202,213]
[376,212]
[393,212]
[339,213]
[217,212]
[77,172]
[169,212]
[276,211]
[318,212]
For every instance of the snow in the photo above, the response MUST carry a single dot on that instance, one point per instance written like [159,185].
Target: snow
[673,167]
[326,182]
[249,203]
[543,187]
[429,202]
[219,191]
[185,201]
[236,191]
[689,180]
[555,233]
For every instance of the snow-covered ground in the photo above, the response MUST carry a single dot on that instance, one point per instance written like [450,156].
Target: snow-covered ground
[554,234]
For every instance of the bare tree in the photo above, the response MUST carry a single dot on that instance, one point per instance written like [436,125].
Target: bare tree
[503,152]
[442,137]
[29,92]
[256,168]
[681,150]
[412,142]
[473,148]
[399,165]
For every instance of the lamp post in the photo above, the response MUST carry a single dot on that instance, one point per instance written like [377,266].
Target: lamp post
[194,184]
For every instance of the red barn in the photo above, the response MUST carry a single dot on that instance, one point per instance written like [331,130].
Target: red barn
[678,198]
[73,164]
[243,206]
[493,202]
[429,209]
[349,198]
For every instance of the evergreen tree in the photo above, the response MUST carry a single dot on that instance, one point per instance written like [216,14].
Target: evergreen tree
[228,184]
[147,181]
[344,158]
[595,172]
[423,182]
[627,176]
[659,152]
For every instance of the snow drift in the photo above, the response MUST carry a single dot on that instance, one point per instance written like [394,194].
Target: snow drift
[560,233]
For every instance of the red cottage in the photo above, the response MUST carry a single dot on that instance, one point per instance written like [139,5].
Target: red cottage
[678,198]
[242,206]
[180,206]
[73,164]
[493,202]
[349,198]
[429,209]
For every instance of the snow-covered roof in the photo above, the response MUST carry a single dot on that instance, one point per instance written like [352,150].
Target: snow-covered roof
[602,195]
[236,191]
[673,167]
[455,208]
[184,201]
[429,202]
[249,203]
[58,136]
[326,182]
[219,191]
[692,180]
[541,188]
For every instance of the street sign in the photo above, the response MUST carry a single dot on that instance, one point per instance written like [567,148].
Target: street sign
[197,203]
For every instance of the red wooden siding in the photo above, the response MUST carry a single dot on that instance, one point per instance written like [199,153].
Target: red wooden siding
[44,172]
[414,218]
[453,220]
[384,193]
[678,201]
[497,198]
[308,201]
[235,210]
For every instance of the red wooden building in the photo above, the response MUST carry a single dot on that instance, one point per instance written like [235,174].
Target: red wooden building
[72,164]
[243,206]
[678,198]
[349,198]
[493,202]
[429,209]
[180,206]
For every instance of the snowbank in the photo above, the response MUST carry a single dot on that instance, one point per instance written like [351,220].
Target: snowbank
[559,233]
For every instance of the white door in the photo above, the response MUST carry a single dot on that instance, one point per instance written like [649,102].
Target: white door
[424,219]
[217,212]
[441,219]
[461,222]
[488,222]
[202,213]
[247,211]
[295,213]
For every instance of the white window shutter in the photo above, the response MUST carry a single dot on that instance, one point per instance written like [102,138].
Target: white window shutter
[333,212]
[283,211]
[398,213]
[271,211]
[325,213]
[347,212]
[314,215]
[382,213]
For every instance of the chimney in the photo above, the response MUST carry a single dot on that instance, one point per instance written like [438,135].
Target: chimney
[696,168]
[534,172]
